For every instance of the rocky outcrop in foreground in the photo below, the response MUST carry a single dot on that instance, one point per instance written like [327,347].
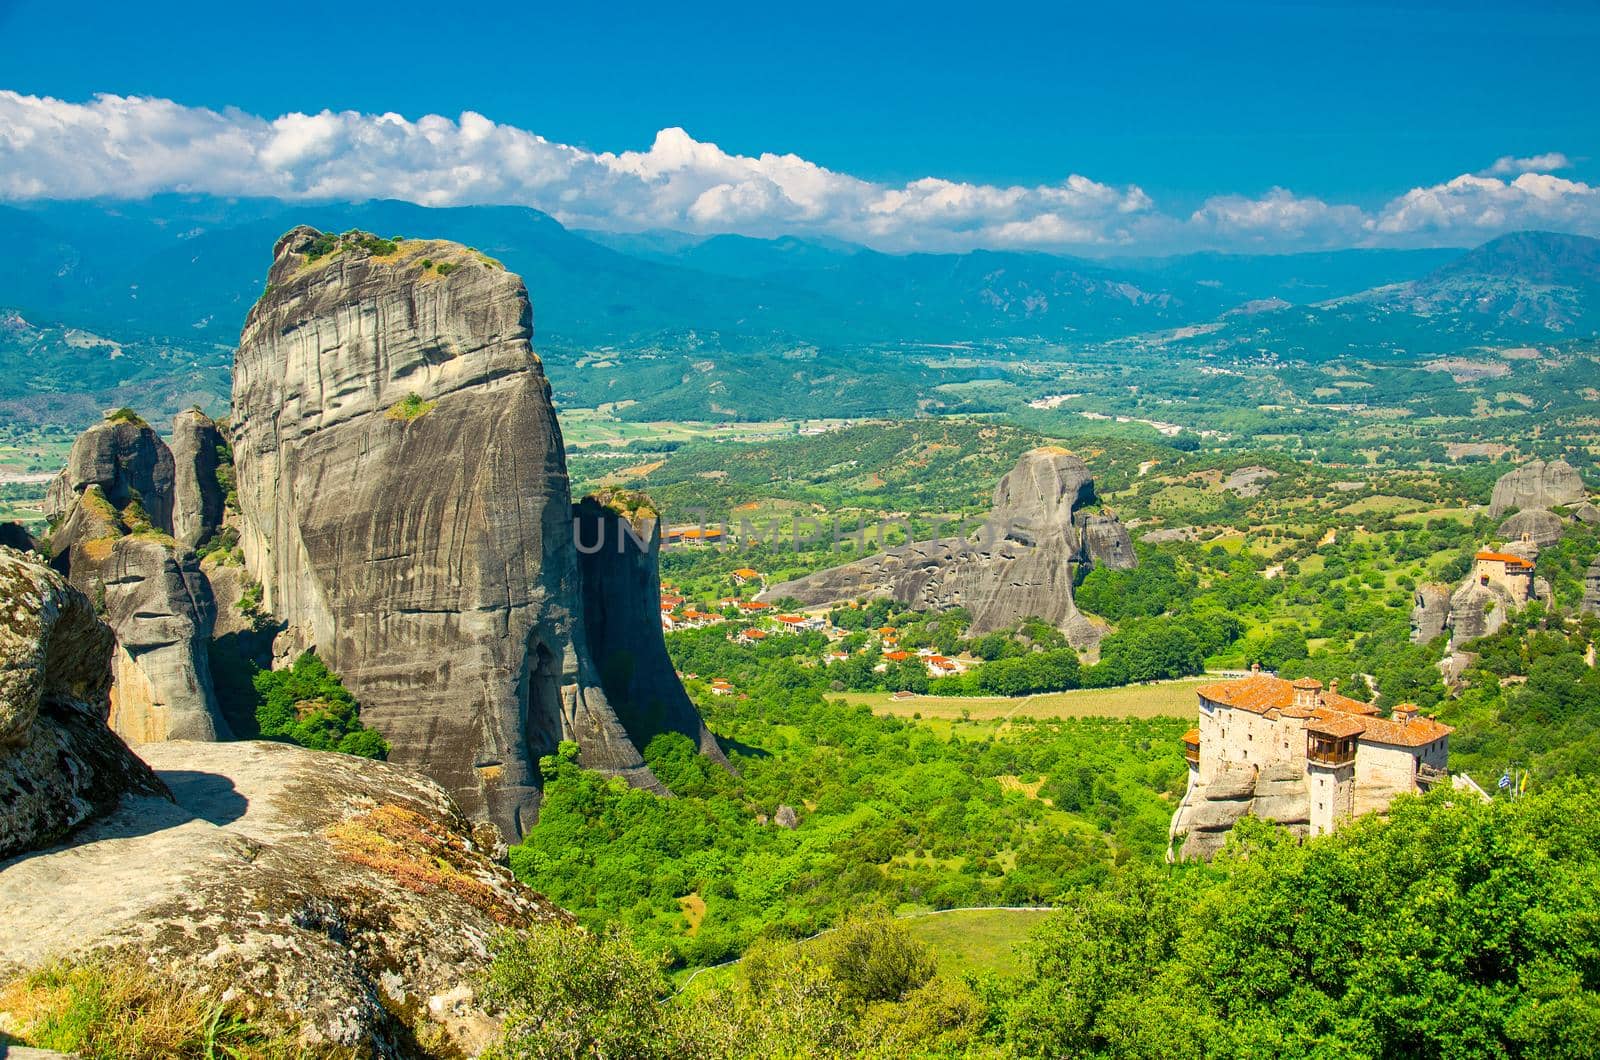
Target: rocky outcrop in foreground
[112,507]
[334,896]
[1537,484]
[1020,564]
[60,766]
[405,505]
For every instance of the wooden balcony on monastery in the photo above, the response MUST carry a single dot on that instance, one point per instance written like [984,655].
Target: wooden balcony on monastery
[1329,750]
[1191,746]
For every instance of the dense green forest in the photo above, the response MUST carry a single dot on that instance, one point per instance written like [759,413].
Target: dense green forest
[1450,928]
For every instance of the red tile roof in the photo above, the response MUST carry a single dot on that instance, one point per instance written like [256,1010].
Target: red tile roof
[1260,693]
[1504,557]
[1334,715]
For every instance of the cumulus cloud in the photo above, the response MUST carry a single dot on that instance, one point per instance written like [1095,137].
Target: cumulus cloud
[1472,208]
[120,146]
[1510,165]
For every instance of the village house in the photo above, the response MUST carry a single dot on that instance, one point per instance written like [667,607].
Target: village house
[801,623]
[745,575]
[721,687]
[751,636]
[939,666]
[692,535]
[1301,755]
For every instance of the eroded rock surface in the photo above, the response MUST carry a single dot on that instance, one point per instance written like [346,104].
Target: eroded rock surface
[114,504]
[1537,484]
[1020,564]
[337,896]
[619,541]
[1591,588]
[1430,612]
[406,508]
[1276,793]
[1539,525]
[197,504]
[60,766]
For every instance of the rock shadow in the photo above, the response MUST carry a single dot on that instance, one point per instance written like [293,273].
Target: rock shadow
[208,796]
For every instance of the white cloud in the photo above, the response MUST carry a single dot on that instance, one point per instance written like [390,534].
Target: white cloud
[132,147]
[1510,165]
[1470,209]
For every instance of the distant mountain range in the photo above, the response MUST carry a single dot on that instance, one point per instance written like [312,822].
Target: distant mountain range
[169,280]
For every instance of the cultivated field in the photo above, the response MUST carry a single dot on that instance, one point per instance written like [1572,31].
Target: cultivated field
[1161,698]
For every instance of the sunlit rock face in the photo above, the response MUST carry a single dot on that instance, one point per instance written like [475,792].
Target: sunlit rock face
[1020,564]
[406,508]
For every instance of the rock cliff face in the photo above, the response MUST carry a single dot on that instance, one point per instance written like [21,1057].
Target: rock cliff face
[1277,793]
[1430,612]
[1539,525]
[60,766]
[1018,565]
[405,506]
[1476,611]
[1106,542]
[1537,484]
[113,506]
[619,538]
[197,507]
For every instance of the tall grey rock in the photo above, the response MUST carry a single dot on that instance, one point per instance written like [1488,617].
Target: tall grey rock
[1106,542]
[127,461]
[1537,484]
[405,505]
[1430,612]
[1539,525]
[1477,611]
[619,541]
[197,503]
[60,766]
[112,511]
[1020,563]
[1591,588]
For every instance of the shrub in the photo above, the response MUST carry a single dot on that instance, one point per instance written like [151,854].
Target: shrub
[308,705]
[411,407]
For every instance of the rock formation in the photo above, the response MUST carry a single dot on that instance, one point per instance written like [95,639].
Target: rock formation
[1020,564]
[1591,588]
[1276,793]
[333,896]
[60,766]
[112,511]
[405,505]
[1539,525]
[1106,542]
[1430,612]
[15,535]
[1587,513]
[197,447]
[1476,611]
[619,538]
[1537,484]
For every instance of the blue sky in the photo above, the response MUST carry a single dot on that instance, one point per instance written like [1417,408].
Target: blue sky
[1345,105]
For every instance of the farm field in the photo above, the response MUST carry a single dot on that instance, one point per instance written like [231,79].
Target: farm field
[964,942]
[1157,699]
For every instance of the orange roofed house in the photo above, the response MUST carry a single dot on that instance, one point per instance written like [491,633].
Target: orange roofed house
[1301,755]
